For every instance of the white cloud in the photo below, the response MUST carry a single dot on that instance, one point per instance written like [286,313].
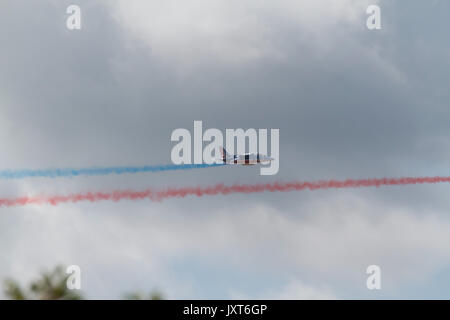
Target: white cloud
[293,290]
[337,237]
[296,290]
[233,31]
[327,241]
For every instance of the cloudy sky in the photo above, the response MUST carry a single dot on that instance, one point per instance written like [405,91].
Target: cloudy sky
[349,103]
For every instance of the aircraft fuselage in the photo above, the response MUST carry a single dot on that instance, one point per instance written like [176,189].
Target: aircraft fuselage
[247,159]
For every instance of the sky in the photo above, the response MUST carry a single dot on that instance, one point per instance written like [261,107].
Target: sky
[349,103]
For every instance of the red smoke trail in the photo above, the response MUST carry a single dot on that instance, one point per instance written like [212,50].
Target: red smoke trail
[159,195]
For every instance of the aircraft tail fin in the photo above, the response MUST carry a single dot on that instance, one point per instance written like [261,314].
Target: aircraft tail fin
[224,154]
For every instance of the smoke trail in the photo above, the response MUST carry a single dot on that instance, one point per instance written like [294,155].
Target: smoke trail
[96,171]
[159,195]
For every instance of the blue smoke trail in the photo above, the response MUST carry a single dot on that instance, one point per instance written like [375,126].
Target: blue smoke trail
[96,171]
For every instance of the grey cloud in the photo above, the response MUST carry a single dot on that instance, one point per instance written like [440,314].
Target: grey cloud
[348,103]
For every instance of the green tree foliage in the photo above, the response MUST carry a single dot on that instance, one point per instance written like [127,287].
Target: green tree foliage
[51,285]
[154,295]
